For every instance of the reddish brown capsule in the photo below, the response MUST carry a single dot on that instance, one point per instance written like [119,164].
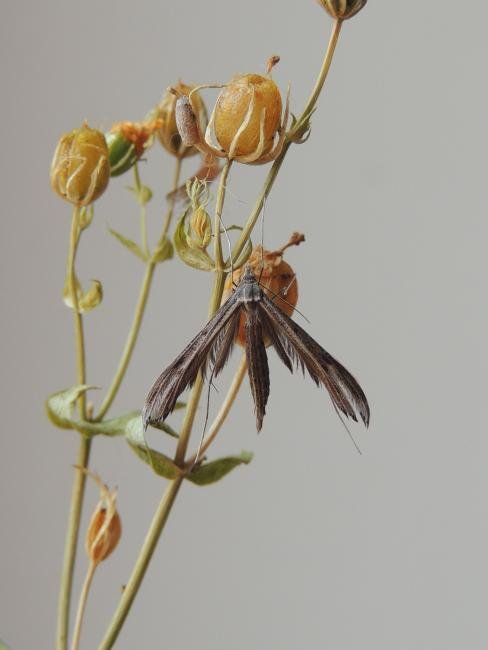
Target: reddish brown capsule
[276,277]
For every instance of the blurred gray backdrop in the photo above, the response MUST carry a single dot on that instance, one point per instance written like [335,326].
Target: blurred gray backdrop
[311,545]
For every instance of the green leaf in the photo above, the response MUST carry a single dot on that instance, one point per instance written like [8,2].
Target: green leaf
[213,471]
[4,646]
[113,427]
[161,464]
[163,251]
[128,243]
[162,426]
[196,258]
[59,406]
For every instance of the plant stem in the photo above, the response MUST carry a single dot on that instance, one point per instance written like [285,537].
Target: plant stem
[161,514]
[273,172]
[219,206]
[83,456]
[140,567]
[139,312]
[224,410]
[81,605]
[130,342]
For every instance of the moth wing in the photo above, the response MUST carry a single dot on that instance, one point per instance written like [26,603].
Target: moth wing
[345,392]
[257,363]
[183,371]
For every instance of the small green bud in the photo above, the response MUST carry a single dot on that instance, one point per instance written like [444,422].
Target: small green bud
[80,169]
[342,9]
[121,153]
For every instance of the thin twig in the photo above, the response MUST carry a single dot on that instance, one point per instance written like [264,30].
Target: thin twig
[81,605]
[83,456]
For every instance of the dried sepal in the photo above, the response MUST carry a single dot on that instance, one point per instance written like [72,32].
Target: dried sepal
[87,300]
[342,9]
[168,133]
[105,528]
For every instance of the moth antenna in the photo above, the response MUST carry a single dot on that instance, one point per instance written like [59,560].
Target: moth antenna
[351,437]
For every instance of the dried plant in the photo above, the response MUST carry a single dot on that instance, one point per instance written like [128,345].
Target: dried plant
[252,299]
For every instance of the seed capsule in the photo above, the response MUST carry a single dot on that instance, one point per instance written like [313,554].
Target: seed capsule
[247,115]
[276,277]
[342,9]
[80,169]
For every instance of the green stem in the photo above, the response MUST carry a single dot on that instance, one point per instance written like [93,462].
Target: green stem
[130,342]
[273,172]
[219,206]
[83,456]
[140,308]
[162,513]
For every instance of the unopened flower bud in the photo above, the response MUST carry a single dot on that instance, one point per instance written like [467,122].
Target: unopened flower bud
[168,133]
[80,169]
[276,277]
[342,9]
[247,115]
[127,141]
[200,232]
[103,534]
[105,528]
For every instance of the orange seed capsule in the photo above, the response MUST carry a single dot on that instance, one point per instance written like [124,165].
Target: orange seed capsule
[247,98]
[103,533]
[276,277]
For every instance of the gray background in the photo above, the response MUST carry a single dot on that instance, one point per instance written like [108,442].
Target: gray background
[311,546]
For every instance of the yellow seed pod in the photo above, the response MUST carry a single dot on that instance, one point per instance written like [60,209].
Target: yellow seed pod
[248,108]
[80,169]
[342,9]
[276,277]
[168,133]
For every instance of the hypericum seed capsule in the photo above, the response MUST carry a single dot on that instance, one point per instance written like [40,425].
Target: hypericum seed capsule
[342,9]
[168,133]
[80,169]
[276,276]
[248,110]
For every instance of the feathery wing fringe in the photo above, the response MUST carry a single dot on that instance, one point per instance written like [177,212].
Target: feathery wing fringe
[257,362]
[183,372]
[343,389]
